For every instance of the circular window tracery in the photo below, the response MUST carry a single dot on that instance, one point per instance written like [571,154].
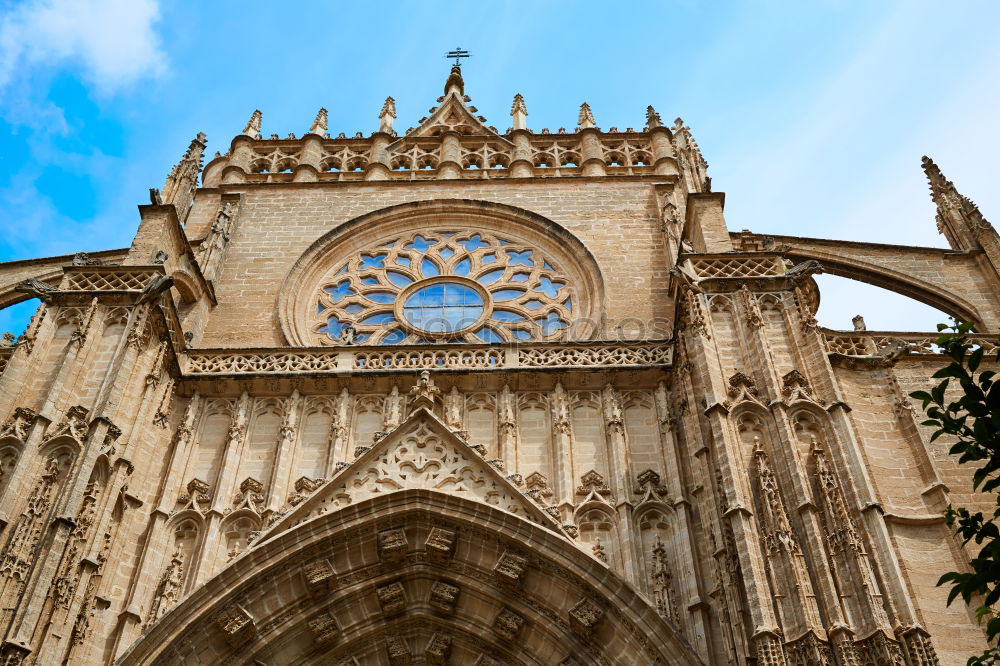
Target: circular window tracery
[445,286]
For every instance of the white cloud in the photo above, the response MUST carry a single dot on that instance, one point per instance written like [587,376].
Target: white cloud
[113,42]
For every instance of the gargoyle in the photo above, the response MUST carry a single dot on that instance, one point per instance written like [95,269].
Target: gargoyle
[36,289]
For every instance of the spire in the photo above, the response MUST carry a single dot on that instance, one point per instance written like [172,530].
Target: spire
[319,125]
[586,118]
[181,182]
[252,129]
[519,112]
[455,84]
[652,118]
[386,115]
[958,218]
[689,156]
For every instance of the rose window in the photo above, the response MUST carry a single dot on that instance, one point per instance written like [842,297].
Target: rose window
[445,286]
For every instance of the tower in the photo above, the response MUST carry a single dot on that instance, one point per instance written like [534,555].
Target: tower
[456,395]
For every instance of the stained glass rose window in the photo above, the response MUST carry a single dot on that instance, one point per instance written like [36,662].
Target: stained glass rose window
[445,286]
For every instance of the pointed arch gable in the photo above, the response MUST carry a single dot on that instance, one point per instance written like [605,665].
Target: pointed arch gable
[322,593]
[421,452]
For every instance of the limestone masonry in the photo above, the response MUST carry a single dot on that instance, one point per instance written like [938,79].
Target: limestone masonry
[464,396]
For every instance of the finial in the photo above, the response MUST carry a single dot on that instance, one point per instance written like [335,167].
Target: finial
[455,84]
[252,129]
[586,118]
[386,115]
[319,125]
[950,201]
[678,124]
[519,112]
[652,118]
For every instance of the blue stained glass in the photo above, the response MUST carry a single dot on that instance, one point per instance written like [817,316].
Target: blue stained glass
[332,328]
[549,288]
[488,259]
[443,308]
[447,252]
[474,243]
[533,304]
[369,280]
[507,294]
[342,270]
[354,308]
[394,337]
[488,335]
[448,234]
[372,260]
[403,261]
[550,323]
[428,268]
[380,296]
[361,337]
[569,304]
[319,308]
[522,335]
[340,292]
[399,279]
[520,277]
[520,258]
[377,319]
[505,316]
[462,267]
[419,243]
[547,265]
[486,279]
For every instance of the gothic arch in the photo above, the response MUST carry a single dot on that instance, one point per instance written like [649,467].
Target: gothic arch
[326,592]
[295,297]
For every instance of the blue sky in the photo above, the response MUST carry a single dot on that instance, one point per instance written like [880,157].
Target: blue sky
[813,116]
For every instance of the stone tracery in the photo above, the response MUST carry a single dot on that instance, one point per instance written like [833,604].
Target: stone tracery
[463,285]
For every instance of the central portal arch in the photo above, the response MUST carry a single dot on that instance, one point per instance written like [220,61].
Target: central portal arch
[414,576]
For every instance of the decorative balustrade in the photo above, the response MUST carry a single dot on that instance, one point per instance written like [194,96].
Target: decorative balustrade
[480,157]
[347,360]
[880,343]
[740,266]
[106,278]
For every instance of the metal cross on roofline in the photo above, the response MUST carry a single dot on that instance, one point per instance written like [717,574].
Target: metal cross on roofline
[458,53]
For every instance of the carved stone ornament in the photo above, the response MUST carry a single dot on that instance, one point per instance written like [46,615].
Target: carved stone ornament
[794,386]
[438,649]
[18,424]
[440,545]
[510,568]
[593,488]
[585,616]
[304,486]
[236,625]
[391,598]
[741,388]
[319,576]
[74,425]
[251,495]
[648,486]
[392,545]
[196,496]
[324,628]
[444,596]
[399,651]
[508,624]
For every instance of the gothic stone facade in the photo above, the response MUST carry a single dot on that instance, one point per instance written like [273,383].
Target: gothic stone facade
[461,396]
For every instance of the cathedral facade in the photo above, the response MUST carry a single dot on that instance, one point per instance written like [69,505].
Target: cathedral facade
[456,395]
